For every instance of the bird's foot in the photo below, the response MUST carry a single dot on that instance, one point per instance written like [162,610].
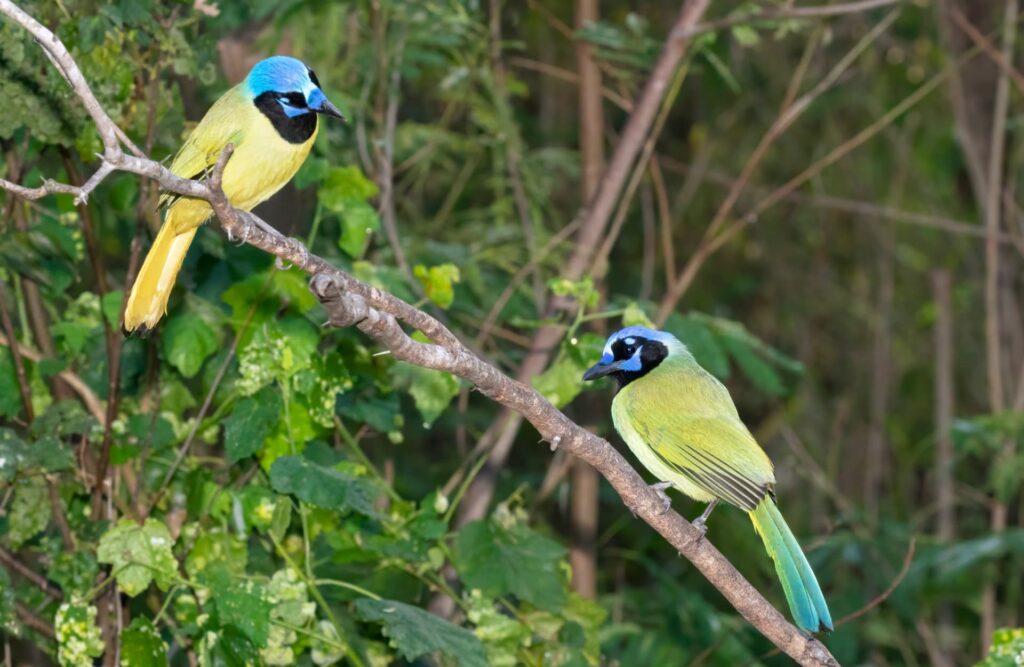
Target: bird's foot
[242,238]
[701,522]
[295,246]
[659,489]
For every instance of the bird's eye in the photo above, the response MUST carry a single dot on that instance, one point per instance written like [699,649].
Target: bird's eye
[282,99]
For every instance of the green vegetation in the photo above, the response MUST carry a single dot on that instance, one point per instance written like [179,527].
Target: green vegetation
[248,486]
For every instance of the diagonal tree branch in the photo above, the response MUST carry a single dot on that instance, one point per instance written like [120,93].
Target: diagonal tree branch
[593,222]
[346,308]
[350,302]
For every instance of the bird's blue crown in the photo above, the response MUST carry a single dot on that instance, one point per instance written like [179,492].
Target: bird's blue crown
[280,74]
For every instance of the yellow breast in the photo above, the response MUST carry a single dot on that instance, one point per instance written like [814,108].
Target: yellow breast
[263,162]
[261,165]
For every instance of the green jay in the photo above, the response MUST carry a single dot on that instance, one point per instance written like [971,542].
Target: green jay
[271,118]
[682,424]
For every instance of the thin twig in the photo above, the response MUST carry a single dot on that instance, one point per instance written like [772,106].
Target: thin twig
[710,245]
[985,44]
[789,115]
[15,565]
[34,621]
[92,402]
[992,208]
[207,402]
[893,585]
[19,366]
[791,13]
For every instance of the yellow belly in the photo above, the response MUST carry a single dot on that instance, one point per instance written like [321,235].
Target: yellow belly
[261,165]
[652,461]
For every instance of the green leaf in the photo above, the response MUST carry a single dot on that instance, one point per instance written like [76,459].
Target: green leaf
[584,349]
[581,290]
[416,632]
[139,555]
[312,171]
[343,186]
[634,315]
[62,418]
[281,518]
[51,455]
[110,304]
[320,385]
[13,454]
[358,221]
[29,512]
[10,400]
[438,282]
[291,598]
[723,70]
[250,422]
[561,382]
[511,560]
[382,413]
[229,647]
[74,571]
[432,391]
[79,639]
[8,612]
[702,342]
[746,36]
[217,547]
[325,487]
[242,603]
[187,342]
[1006,648]
[72,336]
[141,644]
[278,350]
[757,370]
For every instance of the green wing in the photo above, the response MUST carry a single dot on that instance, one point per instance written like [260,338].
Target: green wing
[219,127]
[688,419]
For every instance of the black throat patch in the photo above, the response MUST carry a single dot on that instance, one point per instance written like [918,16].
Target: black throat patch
[652,353]
[295,130]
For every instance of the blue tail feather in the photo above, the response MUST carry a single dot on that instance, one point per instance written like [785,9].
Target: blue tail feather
[806,601]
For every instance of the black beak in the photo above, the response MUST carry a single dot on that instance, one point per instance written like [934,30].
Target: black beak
[328,109]
[599,370]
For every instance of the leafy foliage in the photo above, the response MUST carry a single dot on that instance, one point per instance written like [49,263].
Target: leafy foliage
[297,496]
[416,632]
[1006,650]
[78,636]
[322,486]
[500,556]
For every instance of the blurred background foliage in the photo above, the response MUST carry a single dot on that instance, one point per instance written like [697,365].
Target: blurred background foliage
[268,491]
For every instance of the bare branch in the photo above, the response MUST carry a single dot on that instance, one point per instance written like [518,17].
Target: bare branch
[345,308]
[985,44]
[19,568]
[92,402]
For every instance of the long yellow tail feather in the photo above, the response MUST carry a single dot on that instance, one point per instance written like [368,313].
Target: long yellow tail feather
[147,302]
